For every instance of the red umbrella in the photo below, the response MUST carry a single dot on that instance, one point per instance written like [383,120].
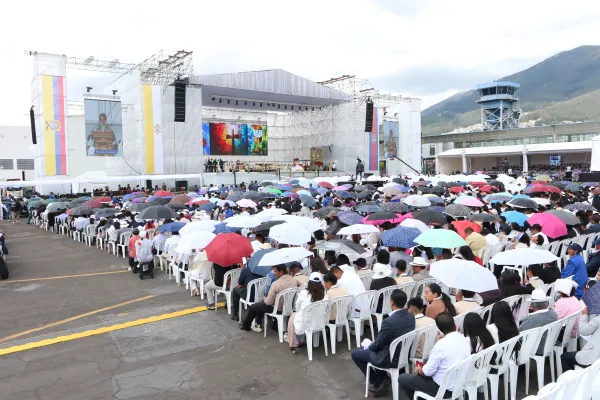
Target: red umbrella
[542,189]
[462,225]
[163,193]
[488,188]
[326,185]
[104,199]
[94,203]
[228,249]
[457,189]
[477,184]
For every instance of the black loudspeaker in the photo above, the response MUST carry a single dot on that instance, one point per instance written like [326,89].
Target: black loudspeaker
[23,175]
[181,184]
[32,118]
[148,184]
[369,117]
[180,87]
[589,177]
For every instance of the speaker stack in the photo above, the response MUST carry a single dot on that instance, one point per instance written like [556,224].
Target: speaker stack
[180,88]
[369,117]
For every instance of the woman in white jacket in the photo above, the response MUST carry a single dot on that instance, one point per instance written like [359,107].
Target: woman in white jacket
[589,327]
[314,291]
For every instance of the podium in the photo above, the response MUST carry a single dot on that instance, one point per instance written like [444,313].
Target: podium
[103,142]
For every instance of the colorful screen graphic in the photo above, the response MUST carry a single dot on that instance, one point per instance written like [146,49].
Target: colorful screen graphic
[103,128]
[223,139]
[373,164]
[53,116]
[391,137]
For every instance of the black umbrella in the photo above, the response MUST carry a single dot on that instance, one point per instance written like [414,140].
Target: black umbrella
[76,202]
[322,213]
[400,181]
[395,207]
[382,216]
[138,207]
[236,196]
[157,212]
[81,210]
[483,217]
[364,194]
[266,183]
[523,203]
[370,187]
[498,184]
[437,190]
[360,188]
[341,246]
[265,226]
[176,206]
[254,196]
[443,184]
[425,190]
[430,217]
[159,202]
[457,210]
[105,212]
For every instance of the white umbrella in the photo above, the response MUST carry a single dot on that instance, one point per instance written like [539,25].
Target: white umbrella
[242,221]
[282,256]
[198,226]
[416,200]
[541,202]
[291,234]
[194,241]
[505,179]
[463,274]
[246,203]
[523,257]
[221,203]
[310,224]
[414,223]
[358,229]
[199,199]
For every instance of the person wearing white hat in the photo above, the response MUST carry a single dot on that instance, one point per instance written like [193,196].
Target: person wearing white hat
[143,255]
[419,266]
[567,304]
[539,315]
[382,278]
[314,291]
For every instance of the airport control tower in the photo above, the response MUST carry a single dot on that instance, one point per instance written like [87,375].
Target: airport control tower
[499,105]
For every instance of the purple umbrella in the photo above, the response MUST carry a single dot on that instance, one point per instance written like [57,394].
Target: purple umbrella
[202,191]
[152,198]
[349,217]
[138,200]
[292,195]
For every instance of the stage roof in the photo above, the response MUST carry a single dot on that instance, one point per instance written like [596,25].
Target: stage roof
[563,147]
[270,86]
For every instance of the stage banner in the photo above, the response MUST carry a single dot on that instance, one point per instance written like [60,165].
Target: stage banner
[391,138]
[54,123]
[223,139]
[153,135]
[103,128]
[374,143]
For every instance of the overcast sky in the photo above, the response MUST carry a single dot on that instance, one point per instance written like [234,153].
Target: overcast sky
[419,48]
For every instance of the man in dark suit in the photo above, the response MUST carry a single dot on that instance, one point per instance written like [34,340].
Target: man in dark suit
[399,322]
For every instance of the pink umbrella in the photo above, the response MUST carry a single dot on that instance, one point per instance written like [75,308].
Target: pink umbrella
[340,188]
[246,203]
[469,201]
[479,172]
[397,220]
[551,225]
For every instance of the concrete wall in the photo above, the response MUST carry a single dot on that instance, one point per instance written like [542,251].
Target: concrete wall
[15,143]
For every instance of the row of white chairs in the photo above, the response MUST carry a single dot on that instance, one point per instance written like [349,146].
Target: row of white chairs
[579,384]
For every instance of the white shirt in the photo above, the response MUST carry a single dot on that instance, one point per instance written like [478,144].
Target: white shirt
[352,282]
[546,240]
[491,239]
[446,353]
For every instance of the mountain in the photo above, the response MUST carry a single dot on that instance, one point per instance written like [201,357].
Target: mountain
[551,92]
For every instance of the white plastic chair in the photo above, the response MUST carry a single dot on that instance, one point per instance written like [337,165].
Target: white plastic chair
[77,235]
[478,372]
[486,313]
[459,371]
[407,288]
[124,243]
[589,386]
[504,352]
[405,342]
[257,287]
[184,269]
[287,297]
[362,302]
[341,305]
[101,239]
[233,275]
[551,332]
[366,280]
[385,295]
[529,343]
[315,317]
[460,319]
[110,244]
[420,286]
[568,323]
[429,335]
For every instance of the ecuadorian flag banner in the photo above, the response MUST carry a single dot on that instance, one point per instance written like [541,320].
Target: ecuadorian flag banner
[54,127]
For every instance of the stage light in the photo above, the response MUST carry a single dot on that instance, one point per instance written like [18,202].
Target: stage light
[261,104]
[279,106]
[213,99]
[286,107]
[237,102]
[220,100]
[88,88]
[228,101]
[254,103]
[245,103]
[114,92]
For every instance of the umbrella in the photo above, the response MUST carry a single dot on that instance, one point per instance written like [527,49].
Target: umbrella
[336,188]
[399,181]
[438,190]
[309,224]
[523,256]
[139,200]
[265,226]
[440,238]
[457,210]
[270,213]
[138,207]
[291,234]
[221,203]
[157,212]
[391,190]
[342,194]
[483,217]
[463,274]
[542,189]
[208,207]
[364,194]
[195,241]
[523,203]
[566,216]
[284,188]
[308,200]
[468,201]
[161,201]
[358,229]
[255,196]
[414,223]
[266,183]
[592,300]
[242,221]
[198,226]
[401,237]
[284,256]
[381,217]
[163,193]
[537,182]
[106,212]
[54,207]
[589,184]
[246,203]
[543,178]
[180,199]
[81,210]
[341,246]
[262,270]
[369,208]
[350,218]
[488,188]
[462,225]
[395,207]
[292,195]
[497,183]
[171,227]
[551,225]
[435,199]
[224,228]
[415,200]
[573,187]
[457,189]
[236,196]
[323,212]
[498,197]
[176,206]
[326,185]
[50,201]
[229,249]
[515,216]
[580,207]
[430,217]
[541,202]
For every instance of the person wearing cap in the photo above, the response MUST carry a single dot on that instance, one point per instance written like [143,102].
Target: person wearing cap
[567,304]
[313,292]
[576,267]
[419,266]
[539,315]
[594,225]
[361,266]
[382,278]
[593,264]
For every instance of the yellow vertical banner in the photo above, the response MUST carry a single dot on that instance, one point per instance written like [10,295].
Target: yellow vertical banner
[48,115]
[148,128]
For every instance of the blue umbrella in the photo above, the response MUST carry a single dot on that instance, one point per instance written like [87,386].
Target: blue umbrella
[294,181]
[368,208]
[85,198]
[223,228]
[171,227]
[308,200]
[284,188]
[573,187]
[207,207]
[498,198]
[521,196]
[400,236]
[349,217]
[262,270]
[322,191]
[403,188]
[436,208]
[515,216]
[343,194]
[435,199]
[272,196]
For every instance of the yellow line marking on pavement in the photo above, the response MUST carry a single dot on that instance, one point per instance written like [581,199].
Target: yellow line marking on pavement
[73,318]
[63,277]
[106,329]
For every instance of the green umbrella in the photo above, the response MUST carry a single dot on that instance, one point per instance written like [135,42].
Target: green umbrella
[34,203]
[273,190]
[441,238]
[50,201]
